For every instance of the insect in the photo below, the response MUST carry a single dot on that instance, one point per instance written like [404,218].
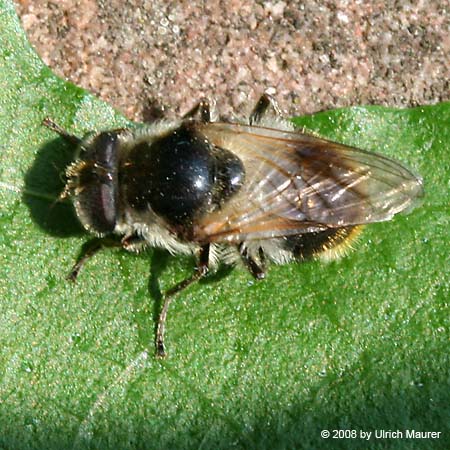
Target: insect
[229,192]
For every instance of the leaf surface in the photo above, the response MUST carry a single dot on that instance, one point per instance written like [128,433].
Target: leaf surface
[357,344]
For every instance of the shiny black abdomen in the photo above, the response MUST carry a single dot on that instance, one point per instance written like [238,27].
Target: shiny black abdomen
[180,176]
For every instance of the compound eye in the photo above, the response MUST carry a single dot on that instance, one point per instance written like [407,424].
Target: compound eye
[97,182]
[96,208]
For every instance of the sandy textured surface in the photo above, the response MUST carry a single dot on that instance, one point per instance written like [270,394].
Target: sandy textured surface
[153,57]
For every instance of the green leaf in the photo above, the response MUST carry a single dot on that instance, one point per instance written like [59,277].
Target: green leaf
[357,344]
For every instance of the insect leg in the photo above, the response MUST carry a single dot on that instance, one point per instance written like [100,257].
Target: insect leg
[256,270]
[134,243]
[200,271]
[93,246]
[262,259]
[63,133]
[202,109]
[265,105]
[89,249]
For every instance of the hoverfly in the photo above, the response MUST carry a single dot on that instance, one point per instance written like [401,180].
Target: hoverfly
[230,192]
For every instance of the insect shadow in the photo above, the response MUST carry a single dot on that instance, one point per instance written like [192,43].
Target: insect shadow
[44,182]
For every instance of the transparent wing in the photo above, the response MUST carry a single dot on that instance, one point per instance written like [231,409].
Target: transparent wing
[297,183]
